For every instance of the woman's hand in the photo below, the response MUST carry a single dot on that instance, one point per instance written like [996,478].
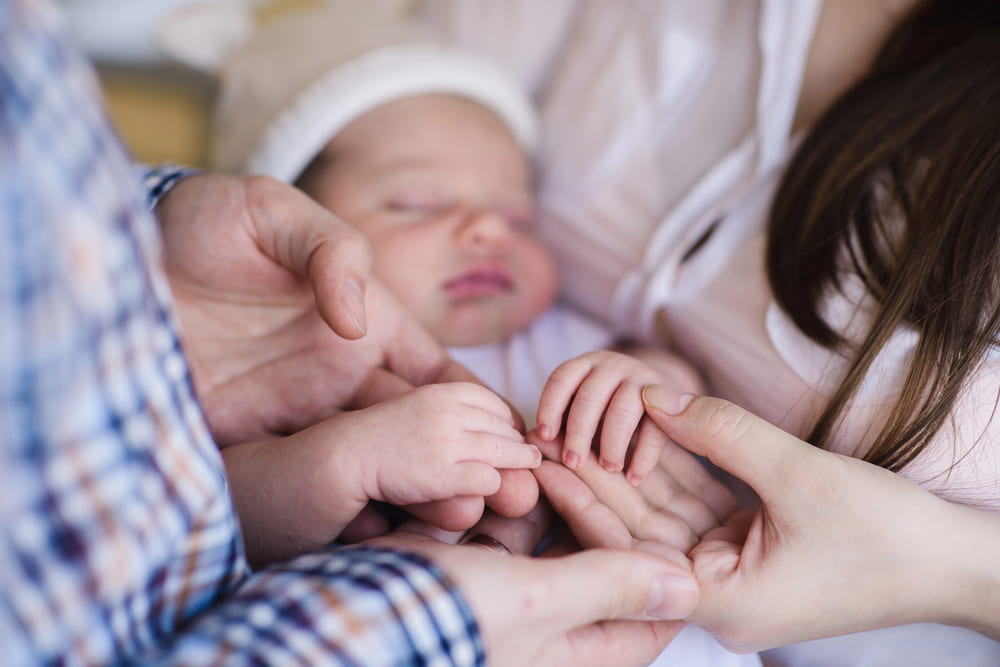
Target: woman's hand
[838,546]
[677,503]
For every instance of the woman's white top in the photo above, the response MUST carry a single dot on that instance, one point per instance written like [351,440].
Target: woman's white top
[662,120]
[518,367]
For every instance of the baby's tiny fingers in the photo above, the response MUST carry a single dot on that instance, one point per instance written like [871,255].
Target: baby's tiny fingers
[585,415]
[557,394]
[475,419]
[472,478]
[477,396]
[648,445]
[620,423]
[504,453]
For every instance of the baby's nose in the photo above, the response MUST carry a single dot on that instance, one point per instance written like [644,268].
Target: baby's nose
[485,229]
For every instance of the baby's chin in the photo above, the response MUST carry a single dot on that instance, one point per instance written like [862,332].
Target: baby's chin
[473,338]
[471,327]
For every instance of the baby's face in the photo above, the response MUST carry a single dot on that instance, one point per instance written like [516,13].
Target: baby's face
[444,194]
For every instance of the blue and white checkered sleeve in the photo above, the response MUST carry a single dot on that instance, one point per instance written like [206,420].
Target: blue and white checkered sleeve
[158,180]
[118,538]
[353,606]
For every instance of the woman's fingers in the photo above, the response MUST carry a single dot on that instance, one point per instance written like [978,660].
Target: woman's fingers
[592,523]
[718,430]
[675,519]
[690,473]
[644,520]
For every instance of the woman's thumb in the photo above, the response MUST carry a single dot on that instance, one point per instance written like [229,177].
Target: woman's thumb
[730,437]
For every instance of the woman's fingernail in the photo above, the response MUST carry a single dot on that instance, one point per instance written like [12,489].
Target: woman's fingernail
[672,597]
[354,303]
[571,459]
[659,397]
[545,432]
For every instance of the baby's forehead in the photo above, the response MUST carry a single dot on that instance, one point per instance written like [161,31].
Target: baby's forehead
[415,135]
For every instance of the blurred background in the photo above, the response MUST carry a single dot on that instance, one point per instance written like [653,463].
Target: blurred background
[160,105]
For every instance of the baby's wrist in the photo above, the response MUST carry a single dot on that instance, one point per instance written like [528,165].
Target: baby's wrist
[350,476]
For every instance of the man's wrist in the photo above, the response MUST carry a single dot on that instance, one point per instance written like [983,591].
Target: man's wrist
[160,179]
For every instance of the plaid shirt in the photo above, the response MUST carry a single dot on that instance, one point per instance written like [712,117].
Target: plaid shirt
[118,539]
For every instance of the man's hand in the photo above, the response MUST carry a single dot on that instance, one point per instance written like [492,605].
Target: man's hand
[274,299]
[597,607]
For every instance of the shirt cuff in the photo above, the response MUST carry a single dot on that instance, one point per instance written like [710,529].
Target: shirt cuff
[160,179]
[349,606]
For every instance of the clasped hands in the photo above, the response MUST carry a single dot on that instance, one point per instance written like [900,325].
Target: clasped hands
[261,274]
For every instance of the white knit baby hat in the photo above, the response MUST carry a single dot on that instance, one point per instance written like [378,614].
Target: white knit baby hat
[288,86]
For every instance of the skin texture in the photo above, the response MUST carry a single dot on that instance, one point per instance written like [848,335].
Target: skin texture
[444,194]
[619,616]
[221,259]
[815,560]
[678,503]
[598,395]
[435,443]
[259,273]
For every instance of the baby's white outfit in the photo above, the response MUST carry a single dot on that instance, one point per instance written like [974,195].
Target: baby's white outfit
[665,125]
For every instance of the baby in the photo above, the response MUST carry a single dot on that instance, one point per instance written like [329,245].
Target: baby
[442,189]
[425,150]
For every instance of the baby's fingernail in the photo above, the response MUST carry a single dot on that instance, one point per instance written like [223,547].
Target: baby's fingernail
[608,465]
[545,432]
[672,597]
[572,460]
[354,303]
[635,480]
[538,457]
[661,398]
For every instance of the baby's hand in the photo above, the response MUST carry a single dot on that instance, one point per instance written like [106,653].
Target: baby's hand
[602,385]
[439,441]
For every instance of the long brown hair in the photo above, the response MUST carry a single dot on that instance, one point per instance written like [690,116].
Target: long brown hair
[921,130]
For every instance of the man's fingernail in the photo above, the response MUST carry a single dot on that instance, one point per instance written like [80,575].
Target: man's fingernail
[672,597]
[659,397]
[354,303]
